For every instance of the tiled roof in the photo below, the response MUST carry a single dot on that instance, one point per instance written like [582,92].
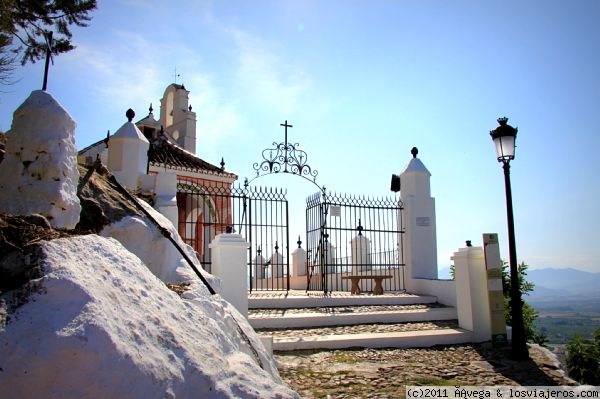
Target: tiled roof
[163,152]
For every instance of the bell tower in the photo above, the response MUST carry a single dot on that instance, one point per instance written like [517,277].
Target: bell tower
[177,117]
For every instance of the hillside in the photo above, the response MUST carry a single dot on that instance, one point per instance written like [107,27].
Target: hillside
[559,284]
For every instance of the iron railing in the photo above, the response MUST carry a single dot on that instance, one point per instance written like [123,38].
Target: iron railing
[354,235]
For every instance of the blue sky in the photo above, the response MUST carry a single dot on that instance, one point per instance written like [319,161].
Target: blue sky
[362,83]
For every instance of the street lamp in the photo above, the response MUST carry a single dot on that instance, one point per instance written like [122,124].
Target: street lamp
[504,139]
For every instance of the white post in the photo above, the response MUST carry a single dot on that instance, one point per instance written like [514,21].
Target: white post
[229,260]
[166,196]
[472,303]
[258,265]
[361,250]
[418,218]
[299,262]
[493,266]
[277,265]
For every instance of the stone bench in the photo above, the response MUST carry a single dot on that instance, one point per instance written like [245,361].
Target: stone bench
[378,278]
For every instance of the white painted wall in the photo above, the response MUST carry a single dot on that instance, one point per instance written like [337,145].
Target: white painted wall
[472,292]
[444,290]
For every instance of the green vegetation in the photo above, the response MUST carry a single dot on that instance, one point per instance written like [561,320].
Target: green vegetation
[28,28]
[344,357]
[529,313]
[583,359]
[561,326]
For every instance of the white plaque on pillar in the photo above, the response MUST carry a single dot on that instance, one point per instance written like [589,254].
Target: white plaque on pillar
[423,221]
[335,210]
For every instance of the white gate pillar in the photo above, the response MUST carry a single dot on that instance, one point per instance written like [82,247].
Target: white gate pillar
[419,243]
[229,262]
[472,302]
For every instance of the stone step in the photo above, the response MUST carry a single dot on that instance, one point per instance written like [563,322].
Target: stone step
[348,315]
[283,300]
[405,335]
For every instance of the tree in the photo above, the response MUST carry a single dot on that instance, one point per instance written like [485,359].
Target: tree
[583,364]
[26,25]
[529,313]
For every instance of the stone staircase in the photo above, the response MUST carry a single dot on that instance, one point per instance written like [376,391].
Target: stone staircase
[297,320]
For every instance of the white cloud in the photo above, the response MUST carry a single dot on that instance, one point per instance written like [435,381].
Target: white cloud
[263,76]
[124,70]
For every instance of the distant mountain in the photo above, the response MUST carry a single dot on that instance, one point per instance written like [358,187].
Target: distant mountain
[554,284]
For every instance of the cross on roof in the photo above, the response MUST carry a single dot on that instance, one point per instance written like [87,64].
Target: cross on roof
[175,75]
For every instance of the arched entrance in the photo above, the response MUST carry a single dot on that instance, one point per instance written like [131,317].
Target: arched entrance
[345,235]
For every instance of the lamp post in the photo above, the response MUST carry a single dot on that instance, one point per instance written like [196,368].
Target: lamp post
[504,139]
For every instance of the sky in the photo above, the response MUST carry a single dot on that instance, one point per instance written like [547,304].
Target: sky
[362,83]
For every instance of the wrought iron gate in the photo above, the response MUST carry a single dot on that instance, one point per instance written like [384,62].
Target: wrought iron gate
[259,214]
[350,235]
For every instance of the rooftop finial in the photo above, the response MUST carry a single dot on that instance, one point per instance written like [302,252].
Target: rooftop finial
[414,151]
[190,107]
[150,109]
[130,114]
[222,164]
[502,121]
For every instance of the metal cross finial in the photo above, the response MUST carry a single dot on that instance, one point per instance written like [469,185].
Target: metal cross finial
[49,42]
[285,125]
[175,75]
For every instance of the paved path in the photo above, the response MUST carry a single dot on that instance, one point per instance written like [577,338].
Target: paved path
[368,373]
[343,309]
[359,329]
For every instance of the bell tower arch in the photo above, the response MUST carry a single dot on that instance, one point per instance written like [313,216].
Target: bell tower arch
[177,117]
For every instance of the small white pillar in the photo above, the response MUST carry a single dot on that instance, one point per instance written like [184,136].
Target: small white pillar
[166,196]
[361,253]
[128,153]
[229,263]
[258,266]
[277,265]
[418,218]
[299,262]
[472,302]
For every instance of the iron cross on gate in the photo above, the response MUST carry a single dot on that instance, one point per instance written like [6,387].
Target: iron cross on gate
[285,161]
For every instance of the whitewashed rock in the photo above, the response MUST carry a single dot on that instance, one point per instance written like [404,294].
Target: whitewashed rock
[140,236]
[39,172]
[98,324]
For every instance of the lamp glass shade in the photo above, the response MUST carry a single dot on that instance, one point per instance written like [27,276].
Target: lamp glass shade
[505,147]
